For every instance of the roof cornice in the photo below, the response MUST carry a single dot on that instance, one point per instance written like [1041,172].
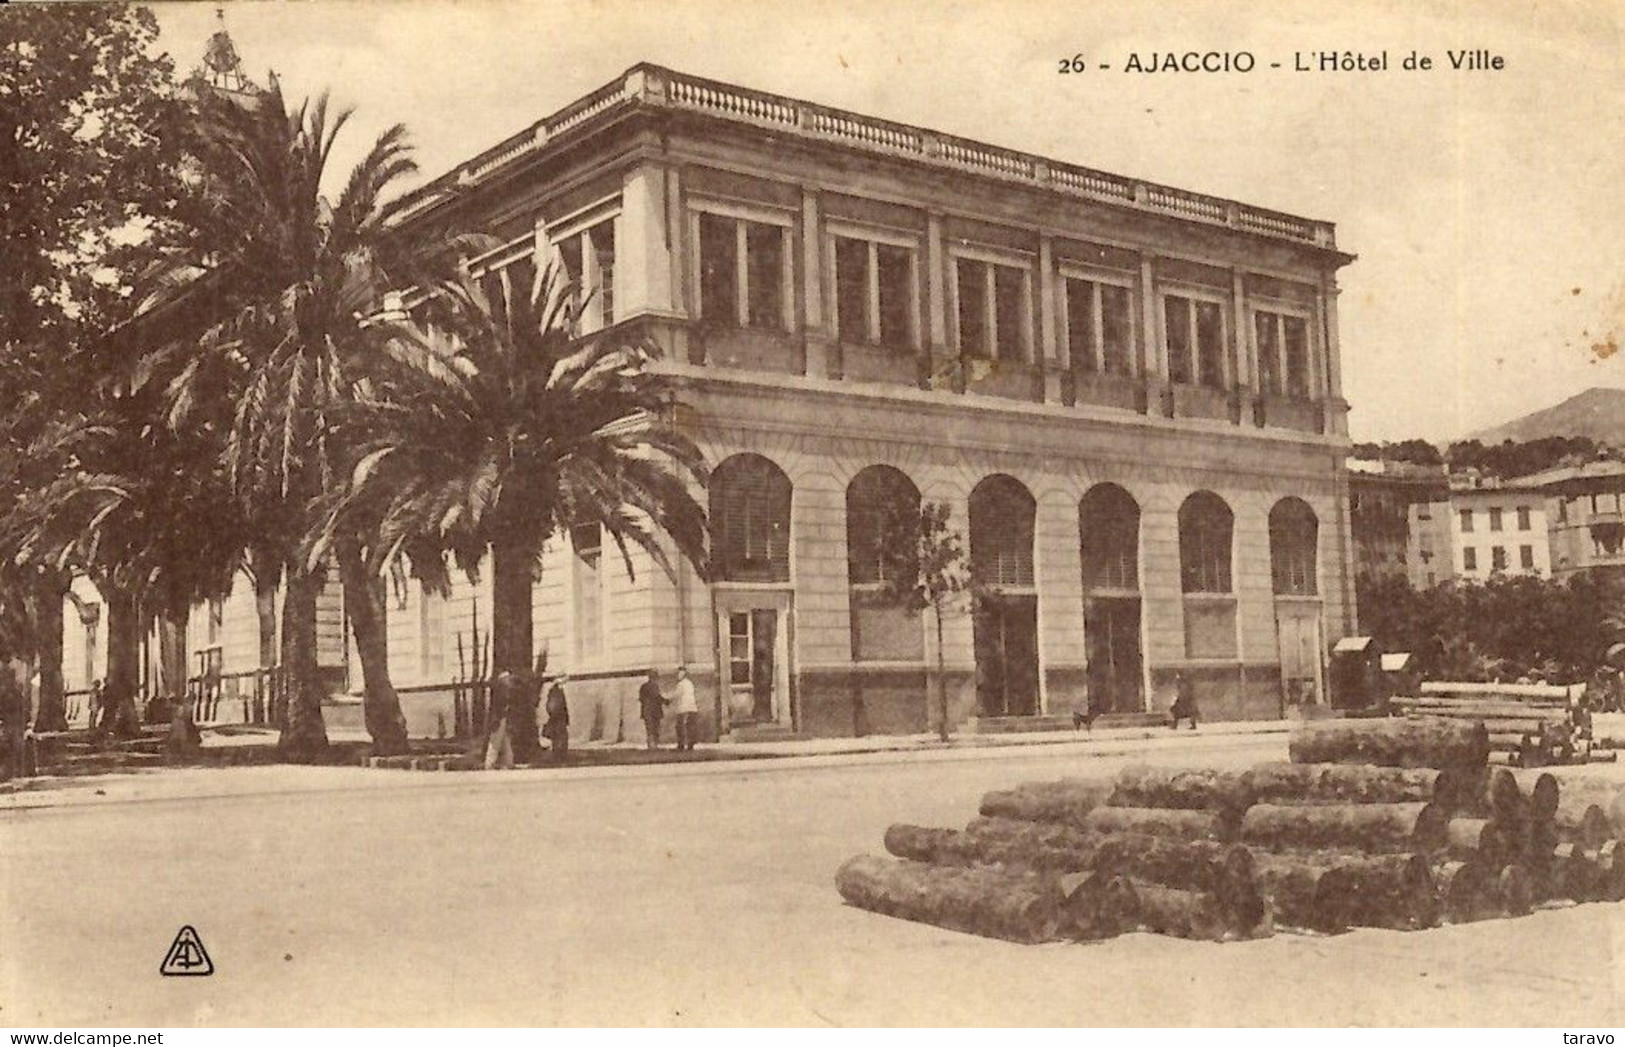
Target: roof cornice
[655,88]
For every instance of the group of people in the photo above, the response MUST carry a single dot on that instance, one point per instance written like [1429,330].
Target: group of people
[652,703]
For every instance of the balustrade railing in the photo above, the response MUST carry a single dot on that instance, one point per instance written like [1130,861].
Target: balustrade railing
[654,86]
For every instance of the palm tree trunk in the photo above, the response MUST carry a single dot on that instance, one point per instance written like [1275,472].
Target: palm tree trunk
[49,594]
[172,655]
[512,644]
[265,585]
[942,680]
[380,706]
[267,704]
[120,716]
[304,735]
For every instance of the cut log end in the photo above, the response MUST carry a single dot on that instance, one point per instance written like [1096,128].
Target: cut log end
[1513,891]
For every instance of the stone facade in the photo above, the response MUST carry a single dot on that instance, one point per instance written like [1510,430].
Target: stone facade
[833,293]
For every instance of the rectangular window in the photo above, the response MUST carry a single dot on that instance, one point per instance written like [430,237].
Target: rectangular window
[851,289]
[1283,353]
[589,260]
[507,276]
[743,268]
[217,619]
[1469,559]
[601,238]
[719,270]
[1009,300]
[1466,521]
[739,648]
[1210,344]
[1099,327]
[1267,328]
[1117,328]
[1498,558]
[1523,518]
[1495,518]
[1177,319]
[431,635]
[973,309]
[764,255]
[874,292]
[1526,556]
[894,286]
[992,310]
[587,541]
[1196,345]
[1082,305]
[1296,339]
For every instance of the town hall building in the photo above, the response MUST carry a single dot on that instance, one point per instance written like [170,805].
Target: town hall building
[1128,396]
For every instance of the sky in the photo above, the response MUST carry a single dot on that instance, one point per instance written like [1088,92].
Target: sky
[1487,208]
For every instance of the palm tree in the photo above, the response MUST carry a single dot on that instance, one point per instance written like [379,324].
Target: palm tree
[495,429]
[33,595]
[138,508]
[290,277]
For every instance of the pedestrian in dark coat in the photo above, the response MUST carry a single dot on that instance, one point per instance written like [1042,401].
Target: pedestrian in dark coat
[558,719]
[652,707]
[1184,707]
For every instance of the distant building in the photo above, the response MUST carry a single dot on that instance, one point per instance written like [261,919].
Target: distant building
[1430,548]
[1494,530]
[1382,495]
[1584,504]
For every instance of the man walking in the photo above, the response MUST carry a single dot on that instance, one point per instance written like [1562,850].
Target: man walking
[558,719]
[686,709]
[1184,707]
[652,707]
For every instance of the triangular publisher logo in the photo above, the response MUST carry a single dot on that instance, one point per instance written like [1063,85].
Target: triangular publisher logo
[186,957]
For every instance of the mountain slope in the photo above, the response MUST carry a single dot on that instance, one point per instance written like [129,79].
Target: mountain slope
[1598,413]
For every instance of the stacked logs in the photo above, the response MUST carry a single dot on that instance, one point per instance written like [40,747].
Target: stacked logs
[1396,824]
[1148,851]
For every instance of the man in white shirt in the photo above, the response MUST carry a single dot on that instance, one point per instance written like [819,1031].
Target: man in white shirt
[686,709]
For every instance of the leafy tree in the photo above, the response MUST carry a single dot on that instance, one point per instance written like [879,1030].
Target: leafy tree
[88,162]
[926,568]
[1417,452]
[1506,627]
[497,428]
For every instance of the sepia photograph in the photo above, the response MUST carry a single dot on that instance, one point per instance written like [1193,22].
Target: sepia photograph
[701,514]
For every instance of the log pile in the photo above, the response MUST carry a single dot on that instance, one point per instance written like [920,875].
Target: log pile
[1532,725]
[1397,824]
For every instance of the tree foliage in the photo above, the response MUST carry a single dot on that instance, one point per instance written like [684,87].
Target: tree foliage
[1508,459]
[1505,628]
[924,566]
[89,147]
[89,161]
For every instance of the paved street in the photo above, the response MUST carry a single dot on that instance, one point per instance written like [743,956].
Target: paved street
[675,895]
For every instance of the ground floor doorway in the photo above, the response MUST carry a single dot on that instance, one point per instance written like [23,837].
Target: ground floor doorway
[1298,636]
[1005,627]
[1111,636]
[753,656]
